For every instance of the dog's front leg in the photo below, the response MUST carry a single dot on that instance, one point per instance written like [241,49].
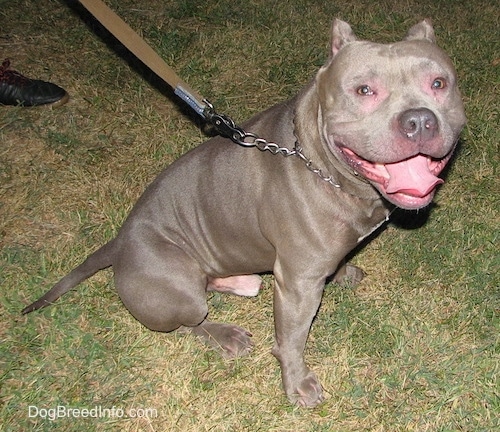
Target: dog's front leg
[296,301]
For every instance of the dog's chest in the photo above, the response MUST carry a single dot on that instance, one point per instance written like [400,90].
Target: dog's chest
[378,217]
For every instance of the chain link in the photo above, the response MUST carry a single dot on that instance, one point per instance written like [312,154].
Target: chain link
[227,127]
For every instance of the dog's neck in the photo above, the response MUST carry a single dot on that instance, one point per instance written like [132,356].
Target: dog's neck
[322,161]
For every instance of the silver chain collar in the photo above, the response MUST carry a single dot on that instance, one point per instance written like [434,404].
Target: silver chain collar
[228,128]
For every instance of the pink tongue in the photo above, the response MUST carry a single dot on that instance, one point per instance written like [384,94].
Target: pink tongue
[411,177]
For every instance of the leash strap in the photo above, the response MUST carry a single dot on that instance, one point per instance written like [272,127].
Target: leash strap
[222,123]
[137,46]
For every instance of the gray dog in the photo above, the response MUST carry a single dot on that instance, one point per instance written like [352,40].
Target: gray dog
[378,123]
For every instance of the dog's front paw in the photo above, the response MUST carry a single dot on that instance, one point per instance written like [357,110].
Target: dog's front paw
[308,393]
[349,274]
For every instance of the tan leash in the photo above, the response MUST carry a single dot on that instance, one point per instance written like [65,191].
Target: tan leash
[222,123]
[138,46]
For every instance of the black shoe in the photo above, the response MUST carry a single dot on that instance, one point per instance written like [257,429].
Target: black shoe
[16,89]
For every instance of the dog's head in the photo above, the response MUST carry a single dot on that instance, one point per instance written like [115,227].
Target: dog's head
[392,112]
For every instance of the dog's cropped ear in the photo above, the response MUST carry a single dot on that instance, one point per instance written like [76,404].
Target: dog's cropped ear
[342,34]
[422,31]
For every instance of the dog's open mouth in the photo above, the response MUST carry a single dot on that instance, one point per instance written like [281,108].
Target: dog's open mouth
[409,183]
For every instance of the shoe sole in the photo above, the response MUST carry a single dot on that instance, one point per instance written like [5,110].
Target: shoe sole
[59,102]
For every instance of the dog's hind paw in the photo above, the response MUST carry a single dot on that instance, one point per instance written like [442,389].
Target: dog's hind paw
[231,340]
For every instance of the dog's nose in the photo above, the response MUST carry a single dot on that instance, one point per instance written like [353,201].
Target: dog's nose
[418,124]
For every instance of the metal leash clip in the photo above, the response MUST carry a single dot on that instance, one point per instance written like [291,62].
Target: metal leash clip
[225,125]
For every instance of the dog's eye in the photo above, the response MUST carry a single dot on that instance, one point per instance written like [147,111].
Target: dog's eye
[439,84]
[364,90]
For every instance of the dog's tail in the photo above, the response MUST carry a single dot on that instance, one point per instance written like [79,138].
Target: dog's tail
[99,260]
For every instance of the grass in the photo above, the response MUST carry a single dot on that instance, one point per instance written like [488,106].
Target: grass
[414,348]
